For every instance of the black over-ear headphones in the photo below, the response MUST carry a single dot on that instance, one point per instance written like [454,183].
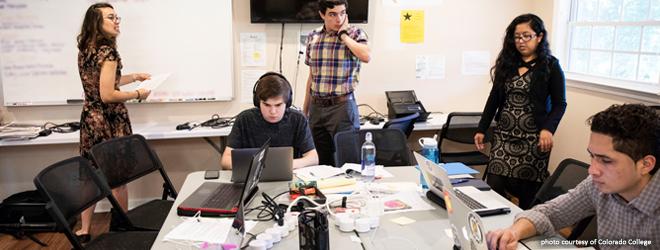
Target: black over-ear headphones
[255,98]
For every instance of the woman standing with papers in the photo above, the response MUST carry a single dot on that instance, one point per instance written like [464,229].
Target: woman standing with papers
[528,99]
[104,115]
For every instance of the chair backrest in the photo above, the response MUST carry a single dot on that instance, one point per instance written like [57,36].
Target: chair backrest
[461,127]
[656,107]
[567,176]
[128,158]
[405,124]
[391,147]
[70,186]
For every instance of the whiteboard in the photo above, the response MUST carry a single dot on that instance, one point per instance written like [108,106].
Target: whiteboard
[191,40]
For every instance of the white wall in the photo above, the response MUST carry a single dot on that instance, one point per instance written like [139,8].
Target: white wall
[451,28]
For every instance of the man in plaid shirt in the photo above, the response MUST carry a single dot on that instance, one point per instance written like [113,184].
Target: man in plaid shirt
[334,54]
[622,190]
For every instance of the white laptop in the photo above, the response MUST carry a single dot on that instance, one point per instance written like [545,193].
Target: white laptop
[479,201]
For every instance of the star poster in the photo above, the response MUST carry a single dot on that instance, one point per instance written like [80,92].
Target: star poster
[412,26]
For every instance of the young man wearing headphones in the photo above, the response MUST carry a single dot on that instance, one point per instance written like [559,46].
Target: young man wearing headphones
[622,190]
[272,118]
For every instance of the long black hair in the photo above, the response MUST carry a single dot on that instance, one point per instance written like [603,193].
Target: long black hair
[91,32]
[509,59]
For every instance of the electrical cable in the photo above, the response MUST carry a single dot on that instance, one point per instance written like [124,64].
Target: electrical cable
[218,122]
[295,79]
[281,47]
[269,210]
[68,127]
[247,241]
[361,242]
[372,109]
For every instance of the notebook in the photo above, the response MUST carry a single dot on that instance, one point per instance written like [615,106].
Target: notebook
[278,165]
[480,202]
[216,199]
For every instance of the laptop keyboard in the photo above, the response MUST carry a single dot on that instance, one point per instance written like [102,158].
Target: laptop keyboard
[225,196]
[471,203]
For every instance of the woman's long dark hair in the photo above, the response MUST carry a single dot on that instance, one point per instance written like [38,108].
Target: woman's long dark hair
[509,59]
[91,32]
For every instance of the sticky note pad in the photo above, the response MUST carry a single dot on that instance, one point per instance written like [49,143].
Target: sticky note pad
[402,220]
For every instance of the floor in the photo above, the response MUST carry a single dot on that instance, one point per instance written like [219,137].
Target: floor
[100,225]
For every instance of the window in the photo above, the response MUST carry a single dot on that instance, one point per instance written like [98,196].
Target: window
[615,42]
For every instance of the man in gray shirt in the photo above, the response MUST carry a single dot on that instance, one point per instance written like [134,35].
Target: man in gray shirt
[272,118]
[622,190]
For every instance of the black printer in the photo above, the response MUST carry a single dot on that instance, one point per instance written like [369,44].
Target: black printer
[403,103]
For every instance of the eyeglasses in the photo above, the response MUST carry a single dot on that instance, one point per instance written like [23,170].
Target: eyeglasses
[524,37]
[115,19]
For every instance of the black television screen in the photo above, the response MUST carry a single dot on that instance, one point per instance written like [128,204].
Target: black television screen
[301,11]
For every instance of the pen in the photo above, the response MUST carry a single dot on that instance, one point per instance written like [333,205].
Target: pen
[457,181]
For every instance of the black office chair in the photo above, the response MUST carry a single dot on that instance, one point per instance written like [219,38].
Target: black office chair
[405,124]
[391,147]
[567,176]
[656,108]
[128,158]
[460,128]
[71,186]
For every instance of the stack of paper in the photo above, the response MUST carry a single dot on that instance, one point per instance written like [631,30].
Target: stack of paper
[211,230]
[336,182]
[318,172]
[380,170]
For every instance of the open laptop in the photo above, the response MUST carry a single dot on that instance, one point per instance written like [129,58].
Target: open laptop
[237,231]
[277,167]
[479,201]
[467,227]
[216,199]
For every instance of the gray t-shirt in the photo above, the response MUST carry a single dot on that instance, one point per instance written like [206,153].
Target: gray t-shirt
[250,130]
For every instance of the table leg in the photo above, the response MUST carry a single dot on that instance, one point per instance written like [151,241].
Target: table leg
[218,147]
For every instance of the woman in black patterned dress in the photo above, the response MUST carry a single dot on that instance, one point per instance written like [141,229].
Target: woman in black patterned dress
[528,99]
[104,115]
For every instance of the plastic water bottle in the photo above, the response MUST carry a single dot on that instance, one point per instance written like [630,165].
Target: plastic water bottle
[430,151]
[430,148]
[368,158]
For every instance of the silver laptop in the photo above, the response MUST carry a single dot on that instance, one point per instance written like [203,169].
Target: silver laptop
[278,165]
[466,226]
[479,201]
[468,229]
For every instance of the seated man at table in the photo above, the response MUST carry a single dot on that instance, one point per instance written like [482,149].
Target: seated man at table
[622,190]
[272,118]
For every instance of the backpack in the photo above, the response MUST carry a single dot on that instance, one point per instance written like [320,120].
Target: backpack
[24,213]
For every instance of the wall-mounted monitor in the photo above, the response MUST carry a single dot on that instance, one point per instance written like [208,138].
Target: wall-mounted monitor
[301,11]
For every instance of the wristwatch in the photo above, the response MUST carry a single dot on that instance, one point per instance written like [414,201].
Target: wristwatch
[342,32]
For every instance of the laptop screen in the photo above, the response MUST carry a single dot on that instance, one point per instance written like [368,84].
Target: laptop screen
[237,232]
[256,167]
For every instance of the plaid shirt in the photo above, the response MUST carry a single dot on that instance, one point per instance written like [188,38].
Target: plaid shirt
[334,68]
[618,220]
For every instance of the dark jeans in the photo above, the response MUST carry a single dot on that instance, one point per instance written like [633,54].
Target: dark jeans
[524,190]
[325,122]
